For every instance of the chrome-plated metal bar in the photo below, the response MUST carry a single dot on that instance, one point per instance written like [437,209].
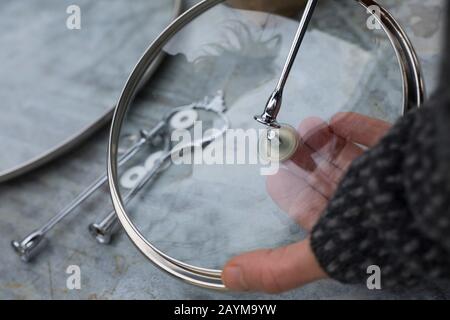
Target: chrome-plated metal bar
[29,246]
[105,229]
[273,106]
[298,40]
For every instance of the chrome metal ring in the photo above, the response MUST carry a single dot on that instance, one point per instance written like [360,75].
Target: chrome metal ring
[413,93]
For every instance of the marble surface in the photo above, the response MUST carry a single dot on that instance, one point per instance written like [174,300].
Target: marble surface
[56,82]
[119,271]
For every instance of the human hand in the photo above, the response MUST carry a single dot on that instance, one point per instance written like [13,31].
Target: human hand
[303,189]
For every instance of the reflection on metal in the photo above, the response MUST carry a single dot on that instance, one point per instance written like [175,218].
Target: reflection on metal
[278,145]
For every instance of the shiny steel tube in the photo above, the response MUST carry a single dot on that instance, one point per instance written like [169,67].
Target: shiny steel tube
[105,229]
[31,244]
[273,106]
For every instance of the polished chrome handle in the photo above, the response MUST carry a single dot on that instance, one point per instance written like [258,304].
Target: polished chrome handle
[273,106]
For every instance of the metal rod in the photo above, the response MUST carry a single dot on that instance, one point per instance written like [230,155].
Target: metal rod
[104,230]
[30,244]
[273,106]
[298,40]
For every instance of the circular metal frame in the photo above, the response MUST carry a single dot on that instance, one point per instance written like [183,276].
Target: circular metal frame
[413,93]
[85,133]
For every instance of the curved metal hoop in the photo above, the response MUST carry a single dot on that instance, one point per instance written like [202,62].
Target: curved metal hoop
[82,135]
[414,94]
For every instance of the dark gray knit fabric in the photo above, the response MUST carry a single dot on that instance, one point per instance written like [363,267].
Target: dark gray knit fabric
[392,209]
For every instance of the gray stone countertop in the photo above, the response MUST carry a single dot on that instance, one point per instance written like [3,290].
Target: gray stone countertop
[119,271]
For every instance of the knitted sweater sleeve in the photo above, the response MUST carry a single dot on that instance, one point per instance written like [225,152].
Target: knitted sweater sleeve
[392,209]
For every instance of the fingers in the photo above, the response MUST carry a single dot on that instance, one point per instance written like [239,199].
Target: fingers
[318,179]
[307,207]
[273,271]
[331,148]
[344,158]
[284,187]
[315,135]
[359,128]
[317,145]
[319,164]
[296,197]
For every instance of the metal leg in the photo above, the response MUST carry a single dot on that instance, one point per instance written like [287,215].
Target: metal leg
[31,245]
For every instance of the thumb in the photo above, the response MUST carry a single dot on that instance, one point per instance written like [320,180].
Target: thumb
[273,271]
